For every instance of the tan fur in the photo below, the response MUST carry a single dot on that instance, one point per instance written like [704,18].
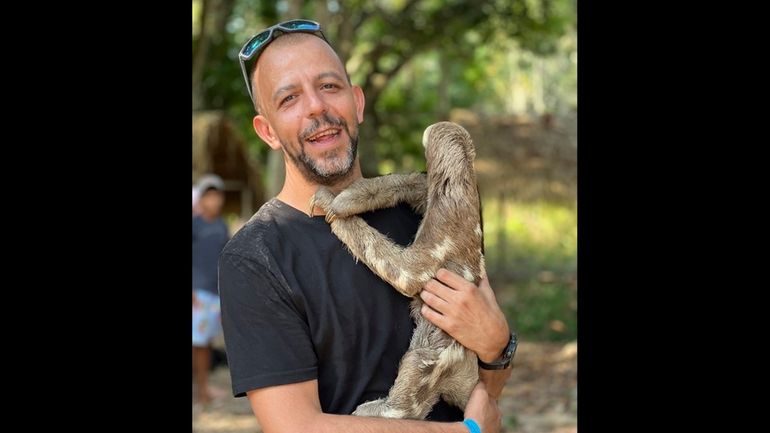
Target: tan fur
[449,236]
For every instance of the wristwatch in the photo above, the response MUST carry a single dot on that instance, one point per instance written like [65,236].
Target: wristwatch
[505,359]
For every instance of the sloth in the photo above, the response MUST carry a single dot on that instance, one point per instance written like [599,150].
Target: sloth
[449,236]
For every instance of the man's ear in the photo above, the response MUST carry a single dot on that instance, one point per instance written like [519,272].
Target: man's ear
[265,131]
[358,97]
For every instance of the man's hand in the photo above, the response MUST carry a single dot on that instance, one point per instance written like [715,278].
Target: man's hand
[468,313]
[482,409]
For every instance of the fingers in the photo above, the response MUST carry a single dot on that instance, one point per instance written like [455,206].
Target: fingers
[433,316]
[440,290]
[486,290]
[456,282]
[434,301]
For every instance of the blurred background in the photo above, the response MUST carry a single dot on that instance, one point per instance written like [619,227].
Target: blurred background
[505,70]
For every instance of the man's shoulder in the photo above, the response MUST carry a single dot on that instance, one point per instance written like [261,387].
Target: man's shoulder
[256,235]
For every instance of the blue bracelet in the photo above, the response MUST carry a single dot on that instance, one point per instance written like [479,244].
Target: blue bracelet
[472,426]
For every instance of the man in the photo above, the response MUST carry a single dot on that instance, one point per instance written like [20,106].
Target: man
[310,333]
[209,236]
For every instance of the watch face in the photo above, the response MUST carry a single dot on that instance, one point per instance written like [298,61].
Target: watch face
[512,346]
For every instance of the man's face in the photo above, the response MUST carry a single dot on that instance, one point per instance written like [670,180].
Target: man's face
[308,108]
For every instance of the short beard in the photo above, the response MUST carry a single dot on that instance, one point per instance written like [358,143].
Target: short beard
[337,168]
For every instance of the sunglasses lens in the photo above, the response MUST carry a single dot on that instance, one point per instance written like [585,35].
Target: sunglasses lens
[301,25]
[255,43]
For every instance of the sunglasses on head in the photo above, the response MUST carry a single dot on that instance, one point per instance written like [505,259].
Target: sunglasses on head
[252,49]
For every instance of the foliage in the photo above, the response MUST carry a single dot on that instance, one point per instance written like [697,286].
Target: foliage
[543,311]
[535,271]
[400,51]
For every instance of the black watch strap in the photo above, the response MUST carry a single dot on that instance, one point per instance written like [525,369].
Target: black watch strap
[505,359]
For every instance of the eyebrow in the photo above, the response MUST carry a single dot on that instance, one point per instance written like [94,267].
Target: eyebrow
[283,89]
[329,74]
[320,76]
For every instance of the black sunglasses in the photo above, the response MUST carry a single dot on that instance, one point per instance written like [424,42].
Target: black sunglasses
[254,47]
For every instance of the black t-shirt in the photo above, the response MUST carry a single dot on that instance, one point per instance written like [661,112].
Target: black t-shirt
[296,306]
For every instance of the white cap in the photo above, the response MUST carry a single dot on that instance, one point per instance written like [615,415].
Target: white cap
[208,181]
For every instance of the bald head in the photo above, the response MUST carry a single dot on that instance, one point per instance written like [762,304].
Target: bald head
[308,108]
[273,60]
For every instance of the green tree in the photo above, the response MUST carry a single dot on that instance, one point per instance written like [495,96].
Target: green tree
[415,59]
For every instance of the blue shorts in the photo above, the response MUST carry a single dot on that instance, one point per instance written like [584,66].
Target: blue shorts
[206,321]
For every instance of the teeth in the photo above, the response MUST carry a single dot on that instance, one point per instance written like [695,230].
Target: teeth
[324,134]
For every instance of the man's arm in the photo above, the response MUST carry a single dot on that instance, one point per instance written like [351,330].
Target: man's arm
[296,408]
[471,315]
[495,380]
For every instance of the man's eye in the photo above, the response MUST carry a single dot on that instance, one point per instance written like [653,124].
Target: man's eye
[287,99]
[329,86]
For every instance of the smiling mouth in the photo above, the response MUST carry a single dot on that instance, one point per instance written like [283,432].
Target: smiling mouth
[325,135]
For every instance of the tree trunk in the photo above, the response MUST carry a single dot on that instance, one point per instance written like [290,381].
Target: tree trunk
[200,55]
[443,86]
[214,15]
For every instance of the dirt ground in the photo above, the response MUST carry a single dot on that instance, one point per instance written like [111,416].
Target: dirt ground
[540,396]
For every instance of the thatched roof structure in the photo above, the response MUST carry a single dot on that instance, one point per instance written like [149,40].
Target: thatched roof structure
[217,147]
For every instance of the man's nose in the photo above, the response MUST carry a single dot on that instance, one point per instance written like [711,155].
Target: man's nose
[316,105]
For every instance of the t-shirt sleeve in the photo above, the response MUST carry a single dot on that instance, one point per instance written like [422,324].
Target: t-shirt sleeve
[267,340]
